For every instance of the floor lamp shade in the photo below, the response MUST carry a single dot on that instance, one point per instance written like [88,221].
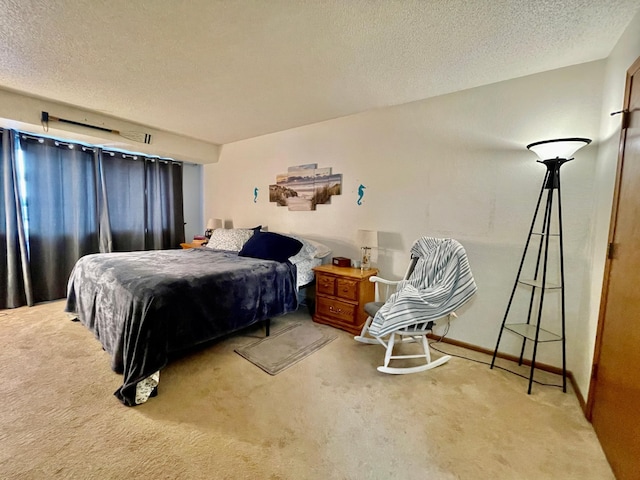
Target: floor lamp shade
[554,154]
[559,148]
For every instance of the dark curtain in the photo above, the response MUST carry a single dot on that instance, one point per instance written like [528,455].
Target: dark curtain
[61,201]
[105,239]
[165,216]
[15,278]
[62,211]
[144,197]
[124,184]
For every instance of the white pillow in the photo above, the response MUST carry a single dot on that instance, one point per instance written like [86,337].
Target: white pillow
[321,249]
[307,251]
[229,238]
[310,249]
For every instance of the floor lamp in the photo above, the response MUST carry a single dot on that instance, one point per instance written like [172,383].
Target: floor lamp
[553,154]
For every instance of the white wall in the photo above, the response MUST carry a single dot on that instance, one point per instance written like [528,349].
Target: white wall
[454,165]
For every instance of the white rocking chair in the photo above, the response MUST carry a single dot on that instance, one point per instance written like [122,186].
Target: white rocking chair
[414,332]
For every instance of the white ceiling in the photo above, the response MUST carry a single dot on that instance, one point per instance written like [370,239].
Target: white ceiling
[227,70]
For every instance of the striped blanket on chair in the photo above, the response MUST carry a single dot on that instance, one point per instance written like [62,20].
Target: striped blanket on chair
[440,283]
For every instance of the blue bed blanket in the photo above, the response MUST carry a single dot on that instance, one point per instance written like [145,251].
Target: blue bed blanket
[143,306]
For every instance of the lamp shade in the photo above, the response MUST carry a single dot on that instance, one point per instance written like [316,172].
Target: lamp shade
[367,238]
[562,148]
[214,223]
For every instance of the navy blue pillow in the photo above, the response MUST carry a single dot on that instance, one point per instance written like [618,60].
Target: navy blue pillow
[270,246]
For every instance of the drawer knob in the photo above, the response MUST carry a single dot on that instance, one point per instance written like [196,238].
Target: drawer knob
[336,310]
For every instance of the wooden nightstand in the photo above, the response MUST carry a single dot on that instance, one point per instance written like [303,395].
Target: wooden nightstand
[341,293]
[193,244]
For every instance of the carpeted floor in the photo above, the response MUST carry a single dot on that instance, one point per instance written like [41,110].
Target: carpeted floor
[330,416]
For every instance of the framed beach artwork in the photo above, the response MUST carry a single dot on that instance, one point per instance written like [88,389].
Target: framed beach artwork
[305,186]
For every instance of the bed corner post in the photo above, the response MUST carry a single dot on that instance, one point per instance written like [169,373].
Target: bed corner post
[267,325]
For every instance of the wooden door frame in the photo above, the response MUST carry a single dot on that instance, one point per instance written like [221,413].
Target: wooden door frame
[633,69]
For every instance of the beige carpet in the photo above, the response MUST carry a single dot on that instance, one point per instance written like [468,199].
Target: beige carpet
[331,416]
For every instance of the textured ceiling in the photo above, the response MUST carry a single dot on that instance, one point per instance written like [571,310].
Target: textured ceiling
[227,70]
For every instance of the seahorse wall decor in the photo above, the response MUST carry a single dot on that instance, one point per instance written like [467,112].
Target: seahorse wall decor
[305,186]
[360,194]
[255,195]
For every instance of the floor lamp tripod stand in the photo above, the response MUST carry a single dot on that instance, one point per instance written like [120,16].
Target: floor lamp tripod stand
[553,154]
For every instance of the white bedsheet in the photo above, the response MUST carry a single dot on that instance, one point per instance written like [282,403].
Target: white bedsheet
[305,270]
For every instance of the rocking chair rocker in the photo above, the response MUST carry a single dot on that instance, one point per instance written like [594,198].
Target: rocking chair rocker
[437,282]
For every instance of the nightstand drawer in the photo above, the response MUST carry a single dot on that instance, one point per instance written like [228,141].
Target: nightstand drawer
[347,289]
[341,311]
[325,284]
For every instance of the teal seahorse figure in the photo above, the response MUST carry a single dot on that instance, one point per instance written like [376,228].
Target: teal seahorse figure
[255,195]
[360,193]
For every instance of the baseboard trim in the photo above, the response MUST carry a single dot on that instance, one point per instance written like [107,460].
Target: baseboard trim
[540,366]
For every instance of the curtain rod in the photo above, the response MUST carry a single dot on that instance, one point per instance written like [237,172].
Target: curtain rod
[110,152]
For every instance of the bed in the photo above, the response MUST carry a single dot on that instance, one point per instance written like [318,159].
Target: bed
[145,306]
